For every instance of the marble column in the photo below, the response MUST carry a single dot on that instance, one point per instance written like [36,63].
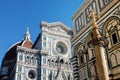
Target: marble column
[97,41]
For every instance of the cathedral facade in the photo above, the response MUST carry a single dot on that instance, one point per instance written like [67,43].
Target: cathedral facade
[83,52]
[55,48]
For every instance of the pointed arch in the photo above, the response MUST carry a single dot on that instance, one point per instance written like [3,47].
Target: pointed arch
[88,38]
[113,60]
[78,47]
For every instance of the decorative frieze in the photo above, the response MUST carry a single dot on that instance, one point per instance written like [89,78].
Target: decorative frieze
[27,50]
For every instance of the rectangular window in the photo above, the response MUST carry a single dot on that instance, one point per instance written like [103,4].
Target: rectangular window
[87,12]
[80,24]
[82,19]
[44,37]
[94,7]
[19,68]
[77,25]
[44,71]
[44,78]
[44,43]
[82,59]
[20,57]
[101,4]
[44,60]
[106,1]
[114,38]
[19,77]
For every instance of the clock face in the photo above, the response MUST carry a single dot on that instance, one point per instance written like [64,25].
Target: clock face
[32,74]
[61,48]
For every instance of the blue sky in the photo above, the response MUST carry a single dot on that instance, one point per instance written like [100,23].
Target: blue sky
[17,15]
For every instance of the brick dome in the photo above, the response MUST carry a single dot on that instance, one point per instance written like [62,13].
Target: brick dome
[10,57]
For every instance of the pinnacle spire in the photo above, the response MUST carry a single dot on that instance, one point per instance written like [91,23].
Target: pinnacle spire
[27,35]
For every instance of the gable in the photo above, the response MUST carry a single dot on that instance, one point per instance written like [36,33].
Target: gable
[55,26]
[57,29]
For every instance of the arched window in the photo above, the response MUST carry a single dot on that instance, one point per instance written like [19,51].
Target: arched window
[118,56]
[28,60]
[32,60]
[112,28]
[52,63]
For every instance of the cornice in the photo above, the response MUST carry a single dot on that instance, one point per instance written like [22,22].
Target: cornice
[21,48]
[56,34]
[81,31]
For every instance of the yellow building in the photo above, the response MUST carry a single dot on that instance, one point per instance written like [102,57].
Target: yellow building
[84,59]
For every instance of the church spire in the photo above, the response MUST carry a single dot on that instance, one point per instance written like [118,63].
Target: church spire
[27,35]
